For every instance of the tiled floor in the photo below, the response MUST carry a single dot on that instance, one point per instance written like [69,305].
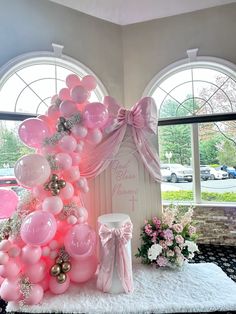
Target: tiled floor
[223,256]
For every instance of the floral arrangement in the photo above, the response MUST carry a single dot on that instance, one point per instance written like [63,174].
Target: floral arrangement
[170,241]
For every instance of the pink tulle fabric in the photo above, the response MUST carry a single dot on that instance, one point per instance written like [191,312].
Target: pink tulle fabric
[113,241]
[142,119]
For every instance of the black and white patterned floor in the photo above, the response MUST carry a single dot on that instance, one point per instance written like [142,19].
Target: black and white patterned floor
[223,256]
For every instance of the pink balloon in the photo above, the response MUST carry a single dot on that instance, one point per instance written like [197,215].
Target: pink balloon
[36,295]
[64,94]
[39,193]
[1,280]
[38,228]
[79,131]
[10,270]
[82,185]
[36,272]
[5,245]
[75,158]
[14,251]
[53,204]
[4,258]
[45,119]
[72,220]
[79,94]
[80,241]
[53,112]
[72,80]
[31,254]
[89,82]
[68,108]
[31,170]
[68,143]
[33,132]
[94,136]
[83,270]
[95,115]
[79,147]
[67,192]
[72,174]
[83,215]
[45,283]
[63,161]
[9,201]
[58,288]
[10,290]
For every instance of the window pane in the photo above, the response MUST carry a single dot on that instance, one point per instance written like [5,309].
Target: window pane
[175,156]
[218,159]
[11,149]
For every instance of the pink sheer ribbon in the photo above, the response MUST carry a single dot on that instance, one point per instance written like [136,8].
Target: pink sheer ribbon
[142,119]
[113,242]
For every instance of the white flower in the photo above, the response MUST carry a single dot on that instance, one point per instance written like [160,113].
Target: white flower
[154,251]
[192,246]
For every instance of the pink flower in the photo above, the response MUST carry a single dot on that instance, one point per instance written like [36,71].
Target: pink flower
[148,229]
[156,222]
[191,230]
[179,239]
[177,250]
[168,234]
[170,253]
[163,244]
[154,237]
[162,261]
[169,243]
[178,228]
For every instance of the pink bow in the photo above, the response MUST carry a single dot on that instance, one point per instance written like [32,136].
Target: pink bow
[142,118]
[110,238]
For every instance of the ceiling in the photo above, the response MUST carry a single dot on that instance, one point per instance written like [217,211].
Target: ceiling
[125,12]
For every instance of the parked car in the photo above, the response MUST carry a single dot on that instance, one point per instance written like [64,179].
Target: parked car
[8,180]
[165,173]
[177,172]
[217,174]
[230,170]
[205,173]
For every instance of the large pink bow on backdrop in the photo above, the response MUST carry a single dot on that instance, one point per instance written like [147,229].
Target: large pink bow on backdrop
[142,119]
[113,242]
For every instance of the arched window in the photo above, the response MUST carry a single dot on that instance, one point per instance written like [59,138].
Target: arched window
[197,129]
[27,84]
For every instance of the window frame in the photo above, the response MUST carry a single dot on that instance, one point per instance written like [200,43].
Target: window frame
[40,57]
[195,61]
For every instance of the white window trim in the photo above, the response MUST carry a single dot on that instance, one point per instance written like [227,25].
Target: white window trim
[197,61]
[27,59]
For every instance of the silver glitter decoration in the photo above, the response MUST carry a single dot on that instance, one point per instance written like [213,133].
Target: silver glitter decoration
[11,226]
[54,139]
[52,162]
[59,135]
[25,288]
[68,210]
[63,254]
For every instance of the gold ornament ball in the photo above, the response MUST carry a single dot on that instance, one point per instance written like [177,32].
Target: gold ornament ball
[61,183]
[54,177]
[55,270]
[61,278]
[65,267]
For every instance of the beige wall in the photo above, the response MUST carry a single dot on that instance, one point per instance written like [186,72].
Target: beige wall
[151,46]
[32,25]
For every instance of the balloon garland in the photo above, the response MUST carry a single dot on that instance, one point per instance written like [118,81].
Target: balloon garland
[46,242]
